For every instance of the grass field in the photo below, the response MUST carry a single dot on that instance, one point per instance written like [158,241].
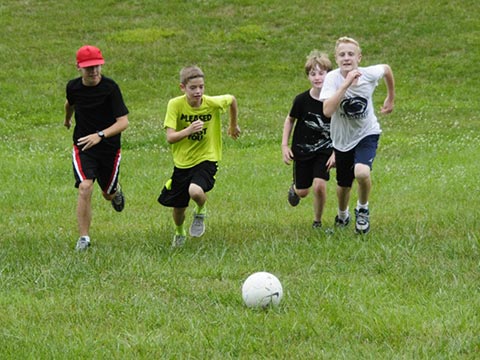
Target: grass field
[408,290]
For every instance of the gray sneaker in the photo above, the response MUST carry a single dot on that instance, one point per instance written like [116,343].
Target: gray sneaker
[293,198]
[118,201]
[82,244]
[197,228]
[178,240]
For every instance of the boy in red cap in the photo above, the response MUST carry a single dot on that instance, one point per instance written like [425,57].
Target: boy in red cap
[100,118]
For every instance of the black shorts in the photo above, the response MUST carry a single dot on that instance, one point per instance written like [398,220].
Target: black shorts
[363,153]
[304,171]
[175,192]
[91,165]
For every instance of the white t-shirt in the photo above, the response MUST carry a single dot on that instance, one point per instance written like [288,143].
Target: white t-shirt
[355,117]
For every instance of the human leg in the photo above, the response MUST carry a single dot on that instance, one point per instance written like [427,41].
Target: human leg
[365,153]
[203,180]
[345,177]
[180,233]
[197,194]
[319,199]
[362,213]
[84,213]
[108,175]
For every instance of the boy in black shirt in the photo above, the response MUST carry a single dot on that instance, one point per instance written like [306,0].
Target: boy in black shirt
[311,149]
[100,118]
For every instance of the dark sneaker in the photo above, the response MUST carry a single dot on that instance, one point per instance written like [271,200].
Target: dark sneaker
[118,201]
[178,240]
[82,244]
[362,221]
[341,223]
[197,228]
[317,224]
[293,198]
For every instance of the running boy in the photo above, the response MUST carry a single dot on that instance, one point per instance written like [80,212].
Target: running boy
[311,148]
[193,127]
[100,117]
[347,98]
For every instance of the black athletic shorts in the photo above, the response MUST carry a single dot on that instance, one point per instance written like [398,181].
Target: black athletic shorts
[103,167]
[175,192]
[304,171]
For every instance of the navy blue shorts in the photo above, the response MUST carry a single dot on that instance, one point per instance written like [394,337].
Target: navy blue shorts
[304,171]
[103,167]
[363,153]
[175,192]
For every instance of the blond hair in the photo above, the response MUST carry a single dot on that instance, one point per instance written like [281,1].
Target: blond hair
[190,72]
[317,58]
[347,40]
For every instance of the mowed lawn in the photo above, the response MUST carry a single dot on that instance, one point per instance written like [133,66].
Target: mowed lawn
[408,290]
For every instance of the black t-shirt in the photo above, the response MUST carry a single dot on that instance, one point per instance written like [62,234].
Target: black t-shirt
[311,135]
[96,108]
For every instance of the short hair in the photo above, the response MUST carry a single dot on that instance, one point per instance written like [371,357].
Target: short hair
[190,72]
[347,40]
[317,58]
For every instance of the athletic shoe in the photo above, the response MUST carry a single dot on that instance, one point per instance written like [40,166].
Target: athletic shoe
[341,223]
[362,221]
[178,240]
[82,244]
[118,202]
[293,198]
[317,224]
[198,225]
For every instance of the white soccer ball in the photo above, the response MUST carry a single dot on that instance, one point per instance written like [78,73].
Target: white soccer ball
[261,290]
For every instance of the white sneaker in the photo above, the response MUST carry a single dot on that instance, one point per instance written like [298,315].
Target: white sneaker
[83,243]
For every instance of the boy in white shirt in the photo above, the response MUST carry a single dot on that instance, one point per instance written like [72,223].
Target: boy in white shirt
[347,98]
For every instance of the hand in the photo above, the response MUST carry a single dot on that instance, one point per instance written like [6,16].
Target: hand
[89,141]
[234,132]
[196,126]
[387,107]
[352,77]
[67,123]
[331,163]
[287,154]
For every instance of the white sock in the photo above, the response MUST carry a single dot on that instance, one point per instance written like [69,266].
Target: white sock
[343,214]
[362,206]
[86,237]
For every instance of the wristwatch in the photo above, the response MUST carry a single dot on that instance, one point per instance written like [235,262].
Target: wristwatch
[101,134]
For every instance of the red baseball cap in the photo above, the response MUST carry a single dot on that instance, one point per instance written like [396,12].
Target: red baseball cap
[89,56]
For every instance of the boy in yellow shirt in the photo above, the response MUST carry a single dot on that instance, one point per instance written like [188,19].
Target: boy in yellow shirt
[193,126]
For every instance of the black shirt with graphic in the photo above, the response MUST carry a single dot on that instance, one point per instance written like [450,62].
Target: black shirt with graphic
[311,135]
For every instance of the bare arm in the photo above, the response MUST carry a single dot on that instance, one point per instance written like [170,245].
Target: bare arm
[331,104]
[120,125]
[69,109]
[174,136]
[287,130]
[234,129]
[388,104]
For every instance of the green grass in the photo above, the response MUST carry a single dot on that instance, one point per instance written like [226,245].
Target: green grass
[408,290]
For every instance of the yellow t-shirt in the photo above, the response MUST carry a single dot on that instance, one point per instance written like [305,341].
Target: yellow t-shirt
[205,144]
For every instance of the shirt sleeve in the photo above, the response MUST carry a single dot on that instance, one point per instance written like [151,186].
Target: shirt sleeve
[171,115]
[328,88]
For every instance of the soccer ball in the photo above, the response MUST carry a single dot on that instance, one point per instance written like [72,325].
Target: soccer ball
[261,290]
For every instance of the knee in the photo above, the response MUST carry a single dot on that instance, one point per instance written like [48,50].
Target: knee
[362,172]
[319,186]
[302,192]
[195,191]
[85,188]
